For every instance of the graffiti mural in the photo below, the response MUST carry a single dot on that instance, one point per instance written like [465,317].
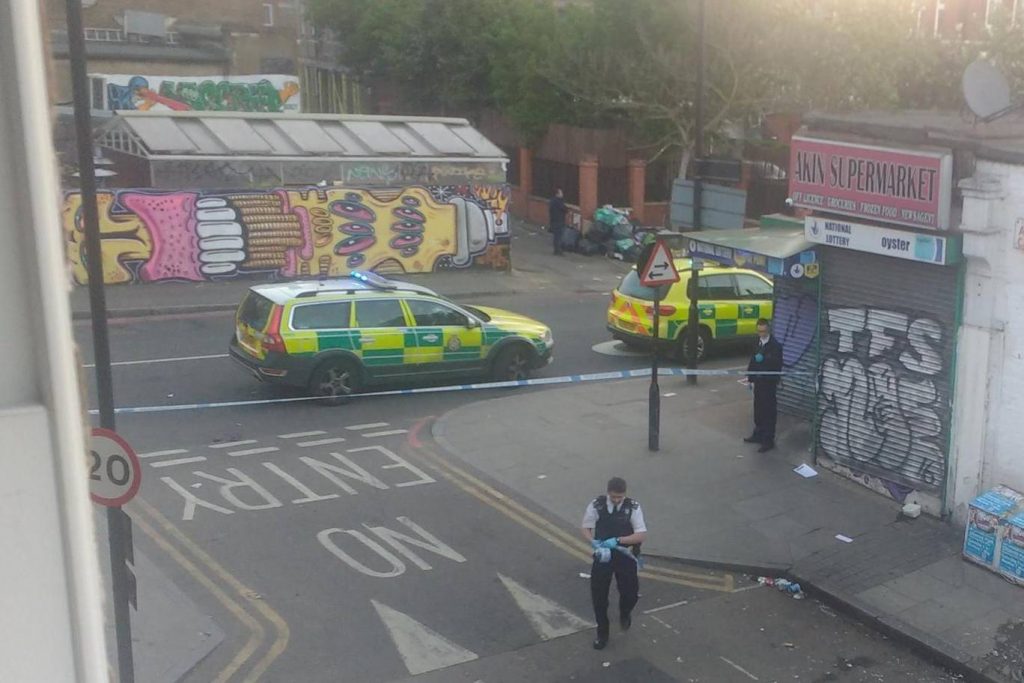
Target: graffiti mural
[882,392]
[262,93]
[152,236]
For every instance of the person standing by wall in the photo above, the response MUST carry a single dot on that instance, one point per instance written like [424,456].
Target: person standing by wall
[614,525]
[556,219]
[767,357]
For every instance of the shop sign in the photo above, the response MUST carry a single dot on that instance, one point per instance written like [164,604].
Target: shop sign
[875,239]
[802,264]
[908,187]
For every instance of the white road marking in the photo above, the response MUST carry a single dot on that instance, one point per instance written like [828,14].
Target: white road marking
[388,432]
[232,444]
[665,607]
[161,360]
[179,461]
[421,648]
[370,425]
[739,668]
[547,617]
[299,435]
[320,442]
[667,625]
[254,451]
[747,588]
[157,454]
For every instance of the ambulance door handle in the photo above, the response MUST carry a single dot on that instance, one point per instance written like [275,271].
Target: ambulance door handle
[430,337]
[367,340]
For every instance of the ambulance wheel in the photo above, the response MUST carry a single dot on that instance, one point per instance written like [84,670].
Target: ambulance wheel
[335,381]
[703,345]
[512,364]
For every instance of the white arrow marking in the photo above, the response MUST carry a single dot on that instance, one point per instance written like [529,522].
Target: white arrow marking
[547,617]
[421,649]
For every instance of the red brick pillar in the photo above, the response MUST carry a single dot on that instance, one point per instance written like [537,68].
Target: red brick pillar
[637,180]
[588,187]
[526,171]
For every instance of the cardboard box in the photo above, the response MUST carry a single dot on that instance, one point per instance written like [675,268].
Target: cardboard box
[987,515]
[1011,549]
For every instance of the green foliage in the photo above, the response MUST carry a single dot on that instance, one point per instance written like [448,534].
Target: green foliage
[632,63]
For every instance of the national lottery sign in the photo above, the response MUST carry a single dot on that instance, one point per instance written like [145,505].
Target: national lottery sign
[908,187]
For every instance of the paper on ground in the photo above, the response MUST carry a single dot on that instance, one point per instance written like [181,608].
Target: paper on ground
[844,539]
[806,471]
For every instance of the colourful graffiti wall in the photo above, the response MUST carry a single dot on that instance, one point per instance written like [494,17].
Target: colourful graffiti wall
[259,93]
[196,235]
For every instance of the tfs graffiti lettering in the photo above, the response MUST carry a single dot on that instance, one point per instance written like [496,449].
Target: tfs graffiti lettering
[880,403]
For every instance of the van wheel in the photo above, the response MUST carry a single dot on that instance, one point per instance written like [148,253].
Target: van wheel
[703,345]
[511,364]
[335,381]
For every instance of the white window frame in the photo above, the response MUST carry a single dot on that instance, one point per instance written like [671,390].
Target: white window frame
[268,14]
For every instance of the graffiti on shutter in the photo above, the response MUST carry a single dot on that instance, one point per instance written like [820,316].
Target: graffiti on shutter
[883,393]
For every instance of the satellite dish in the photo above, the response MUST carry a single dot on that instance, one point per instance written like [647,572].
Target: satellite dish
[986,91]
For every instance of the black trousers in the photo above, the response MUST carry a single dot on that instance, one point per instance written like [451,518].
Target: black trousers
[766,410]
[623,568]
[557,229]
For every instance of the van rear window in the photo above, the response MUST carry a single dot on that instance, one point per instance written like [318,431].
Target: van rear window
[255,310]
[631,286]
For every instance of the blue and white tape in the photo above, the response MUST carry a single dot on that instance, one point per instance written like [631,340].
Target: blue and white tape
[540,381]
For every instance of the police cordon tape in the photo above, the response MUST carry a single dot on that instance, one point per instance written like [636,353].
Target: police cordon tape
[564,379]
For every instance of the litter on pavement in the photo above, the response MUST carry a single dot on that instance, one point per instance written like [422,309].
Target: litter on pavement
[783,586]
[844,539]
[806,471]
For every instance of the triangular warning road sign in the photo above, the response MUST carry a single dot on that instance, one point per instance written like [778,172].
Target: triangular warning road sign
[660,269]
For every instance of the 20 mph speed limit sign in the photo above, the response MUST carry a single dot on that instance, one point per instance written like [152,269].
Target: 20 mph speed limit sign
[115,472]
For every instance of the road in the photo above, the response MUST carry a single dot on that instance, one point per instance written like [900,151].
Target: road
[338,544]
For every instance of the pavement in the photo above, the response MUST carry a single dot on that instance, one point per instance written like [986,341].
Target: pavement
[710,499]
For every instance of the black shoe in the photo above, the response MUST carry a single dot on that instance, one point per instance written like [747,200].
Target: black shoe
[752,439]
[625,621]
[599,643]
[766,446]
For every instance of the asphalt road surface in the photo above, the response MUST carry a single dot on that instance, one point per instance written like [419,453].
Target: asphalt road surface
[338,544]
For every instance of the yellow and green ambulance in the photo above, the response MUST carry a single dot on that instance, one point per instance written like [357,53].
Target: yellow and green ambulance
[730,301]
[336,336]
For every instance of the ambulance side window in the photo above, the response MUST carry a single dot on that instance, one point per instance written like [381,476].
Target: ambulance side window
[380,313]
[717,288]
[327,316]
[753,288]
[434,314]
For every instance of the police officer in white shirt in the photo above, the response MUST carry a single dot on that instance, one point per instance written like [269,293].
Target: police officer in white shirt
[614,525]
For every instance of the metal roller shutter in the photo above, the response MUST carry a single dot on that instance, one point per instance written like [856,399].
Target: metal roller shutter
[795,325]
[888,336]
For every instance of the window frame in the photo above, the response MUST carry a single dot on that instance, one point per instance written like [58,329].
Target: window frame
[268,15]
[443,304]
[739,289]
[729,276]
[295,308]
[360,326]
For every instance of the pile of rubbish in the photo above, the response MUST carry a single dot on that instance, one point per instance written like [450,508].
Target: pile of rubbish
[783,585]
[614,234]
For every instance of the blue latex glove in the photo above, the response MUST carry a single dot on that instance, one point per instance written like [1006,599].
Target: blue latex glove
[595,544]
[759,357]
[610,543]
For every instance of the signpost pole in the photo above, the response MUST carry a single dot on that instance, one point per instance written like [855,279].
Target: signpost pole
[693,321]
[654,394]
[117,520]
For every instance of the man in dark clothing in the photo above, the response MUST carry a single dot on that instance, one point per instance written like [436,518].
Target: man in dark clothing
[556,219]
[614,525]
[767,357]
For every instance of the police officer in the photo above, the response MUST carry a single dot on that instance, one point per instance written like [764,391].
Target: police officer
[614,525]
[767,357]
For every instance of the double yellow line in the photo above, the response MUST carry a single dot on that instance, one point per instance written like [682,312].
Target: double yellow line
[565,541]
[254,614]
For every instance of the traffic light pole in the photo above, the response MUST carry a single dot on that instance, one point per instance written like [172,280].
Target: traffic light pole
[118,523]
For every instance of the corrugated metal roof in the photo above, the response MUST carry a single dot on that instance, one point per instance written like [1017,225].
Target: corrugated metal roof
[326,136]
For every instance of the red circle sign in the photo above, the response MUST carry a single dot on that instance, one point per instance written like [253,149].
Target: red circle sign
[115,472]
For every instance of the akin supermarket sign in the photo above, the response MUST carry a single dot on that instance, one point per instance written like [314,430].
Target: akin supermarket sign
[908,187]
